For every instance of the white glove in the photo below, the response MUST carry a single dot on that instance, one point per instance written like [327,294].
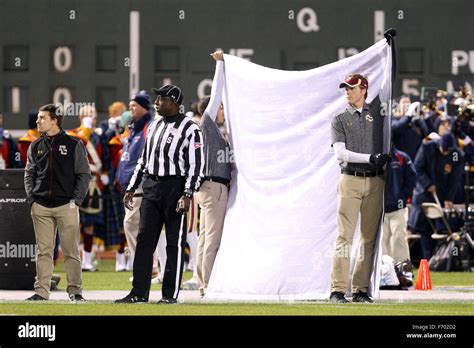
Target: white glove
[87,122]
[412,108]
[105,179]
[434,136]
[112,123]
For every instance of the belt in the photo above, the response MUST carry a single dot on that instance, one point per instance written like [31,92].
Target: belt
[363,174]
[218,180]
[164,178]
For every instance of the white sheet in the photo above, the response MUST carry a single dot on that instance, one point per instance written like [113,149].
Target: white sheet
[280,225]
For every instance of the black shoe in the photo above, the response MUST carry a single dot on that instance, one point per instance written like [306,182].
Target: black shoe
[56,278]
[361,297]
[76,298]
[167,300]
[36,297]
[337,297]
[132,299]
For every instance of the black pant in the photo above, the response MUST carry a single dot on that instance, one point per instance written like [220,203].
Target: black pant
[160,197]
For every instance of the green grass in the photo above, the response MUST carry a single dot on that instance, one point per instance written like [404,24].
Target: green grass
[228,309]
[107,279]
[452,279]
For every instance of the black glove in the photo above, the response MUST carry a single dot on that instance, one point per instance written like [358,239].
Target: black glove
[379,159]
[389,34]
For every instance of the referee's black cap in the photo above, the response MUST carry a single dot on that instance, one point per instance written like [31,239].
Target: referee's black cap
[172,91]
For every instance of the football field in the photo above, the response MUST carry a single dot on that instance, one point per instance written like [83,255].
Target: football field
[452,294]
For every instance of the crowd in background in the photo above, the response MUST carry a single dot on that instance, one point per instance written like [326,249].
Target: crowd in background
[432,141]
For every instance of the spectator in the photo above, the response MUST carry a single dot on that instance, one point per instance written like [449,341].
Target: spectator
[31,135]
[10,156]
[400,182]
[137,130]
[408,128]
[439,167]
[90,211]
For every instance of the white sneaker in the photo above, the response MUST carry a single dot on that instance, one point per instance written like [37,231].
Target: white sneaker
[129,264]
[156,277]
[156,280]
[191,284]
[120,264]
[87,265]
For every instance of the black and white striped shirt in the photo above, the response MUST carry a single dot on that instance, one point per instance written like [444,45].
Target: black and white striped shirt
[173,146]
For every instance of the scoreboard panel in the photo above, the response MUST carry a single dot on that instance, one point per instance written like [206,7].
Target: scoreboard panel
[103,50]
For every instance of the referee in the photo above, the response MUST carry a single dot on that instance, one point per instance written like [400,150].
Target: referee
[171,168]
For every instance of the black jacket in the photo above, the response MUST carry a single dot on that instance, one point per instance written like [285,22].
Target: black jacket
[57,171]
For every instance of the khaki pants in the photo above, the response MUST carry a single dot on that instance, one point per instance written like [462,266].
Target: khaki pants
[395,243]
[131,224]
[356,195]
[45,221]
[212,198]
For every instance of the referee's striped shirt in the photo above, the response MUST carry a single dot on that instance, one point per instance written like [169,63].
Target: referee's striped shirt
[173,146]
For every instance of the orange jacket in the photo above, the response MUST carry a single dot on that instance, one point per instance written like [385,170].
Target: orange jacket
[24,143]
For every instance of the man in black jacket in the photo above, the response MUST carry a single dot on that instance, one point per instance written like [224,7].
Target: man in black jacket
[57,176]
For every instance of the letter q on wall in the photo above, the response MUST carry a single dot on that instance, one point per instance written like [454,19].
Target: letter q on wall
[62,59]
[307,20]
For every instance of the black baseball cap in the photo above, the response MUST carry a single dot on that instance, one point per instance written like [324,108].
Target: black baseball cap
[172,91]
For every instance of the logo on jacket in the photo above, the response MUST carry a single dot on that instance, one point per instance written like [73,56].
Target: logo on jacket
[448,168]
[169,140]
[63,150]
[369,118]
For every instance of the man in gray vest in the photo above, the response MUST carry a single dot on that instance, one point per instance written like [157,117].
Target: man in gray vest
[357,138]
[213,193]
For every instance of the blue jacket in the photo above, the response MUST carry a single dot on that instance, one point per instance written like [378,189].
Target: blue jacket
[132,150]
[9,150]
[408,134]
[432,168]
[400,181]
